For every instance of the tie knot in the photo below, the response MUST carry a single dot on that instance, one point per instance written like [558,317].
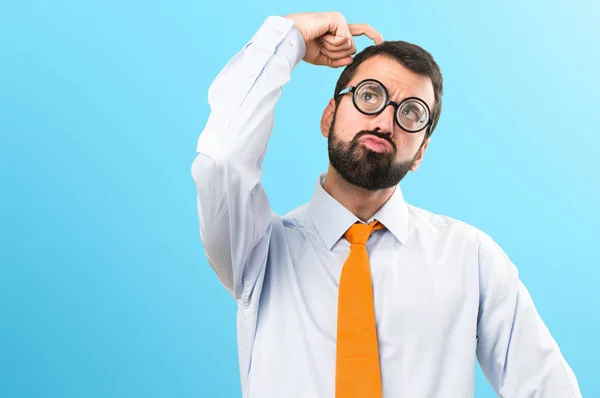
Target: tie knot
[359,233]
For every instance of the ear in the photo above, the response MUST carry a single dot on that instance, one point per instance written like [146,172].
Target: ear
[327,117]
[420,155]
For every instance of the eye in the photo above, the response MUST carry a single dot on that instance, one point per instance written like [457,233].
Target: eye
[369,97]
[412,113]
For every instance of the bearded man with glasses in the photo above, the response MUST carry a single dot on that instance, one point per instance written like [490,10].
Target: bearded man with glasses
[357,294]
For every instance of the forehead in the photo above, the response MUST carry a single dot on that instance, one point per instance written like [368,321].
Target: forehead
[399,80]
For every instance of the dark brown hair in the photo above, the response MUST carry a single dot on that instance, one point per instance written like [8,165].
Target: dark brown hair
[412,57]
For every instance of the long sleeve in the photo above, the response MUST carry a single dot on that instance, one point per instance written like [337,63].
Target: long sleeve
[233,210]
[516,351]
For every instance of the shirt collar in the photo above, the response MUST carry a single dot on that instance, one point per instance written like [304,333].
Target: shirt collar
[332,219]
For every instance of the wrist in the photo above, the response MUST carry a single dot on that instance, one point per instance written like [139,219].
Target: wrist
[294,19]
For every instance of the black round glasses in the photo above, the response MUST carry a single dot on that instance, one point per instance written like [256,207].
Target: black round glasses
[370,97]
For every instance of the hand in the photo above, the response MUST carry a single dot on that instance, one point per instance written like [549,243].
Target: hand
[329,39]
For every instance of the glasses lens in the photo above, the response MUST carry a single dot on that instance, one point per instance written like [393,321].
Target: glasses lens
[370,97]
[413,115]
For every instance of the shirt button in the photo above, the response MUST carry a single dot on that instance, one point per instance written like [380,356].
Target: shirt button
[292,42]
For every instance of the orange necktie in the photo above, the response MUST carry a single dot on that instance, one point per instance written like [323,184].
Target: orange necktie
[357,357]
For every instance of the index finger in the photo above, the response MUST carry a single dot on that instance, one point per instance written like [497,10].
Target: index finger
[367,30]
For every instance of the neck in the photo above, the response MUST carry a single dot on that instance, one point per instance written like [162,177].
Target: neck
[361,202]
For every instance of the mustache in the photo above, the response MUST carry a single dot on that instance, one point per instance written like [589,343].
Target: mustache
[377,134]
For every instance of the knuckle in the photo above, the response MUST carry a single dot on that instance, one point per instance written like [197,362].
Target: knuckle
[339,16]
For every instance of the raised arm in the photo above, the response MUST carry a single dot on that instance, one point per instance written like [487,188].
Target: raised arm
[516,351]
[233,209]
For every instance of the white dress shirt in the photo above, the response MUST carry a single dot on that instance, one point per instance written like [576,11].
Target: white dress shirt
[445,293]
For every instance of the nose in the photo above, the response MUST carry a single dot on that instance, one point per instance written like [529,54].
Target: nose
[384,122]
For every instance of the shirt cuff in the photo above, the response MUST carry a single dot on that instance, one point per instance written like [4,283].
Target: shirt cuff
[279,35]
[293,47]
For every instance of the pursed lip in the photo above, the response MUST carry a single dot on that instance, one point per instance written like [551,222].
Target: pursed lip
[376,140]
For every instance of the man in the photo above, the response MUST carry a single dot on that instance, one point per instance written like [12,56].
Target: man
[357,293]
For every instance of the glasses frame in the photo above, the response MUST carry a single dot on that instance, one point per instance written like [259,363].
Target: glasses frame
[396,105]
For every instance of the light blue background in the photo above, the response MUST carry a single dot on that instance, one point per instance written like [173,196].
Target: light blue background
[104,288]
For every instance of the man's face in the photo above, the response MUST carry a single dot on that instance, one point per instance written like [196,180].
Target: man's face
[353,137]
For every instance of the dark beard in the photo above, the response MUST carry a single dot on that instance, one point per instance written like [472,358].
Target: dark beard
[363,167]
